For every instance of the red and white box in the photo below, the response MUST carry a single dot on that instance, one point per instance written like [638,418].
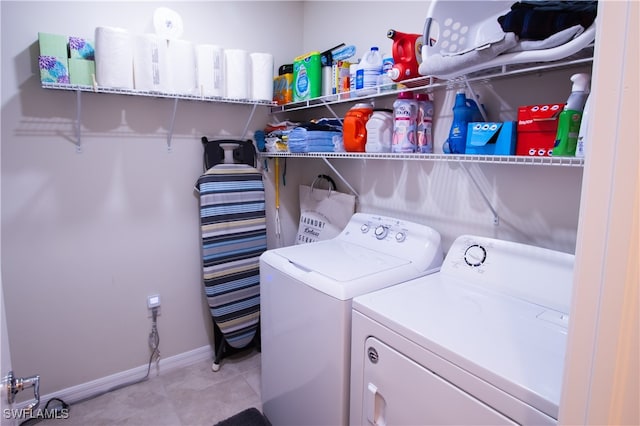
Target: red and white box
[537,128]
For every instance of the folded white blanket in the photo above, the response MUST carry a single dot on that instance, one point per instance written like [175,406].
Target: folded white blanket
[552,41]
[440,66]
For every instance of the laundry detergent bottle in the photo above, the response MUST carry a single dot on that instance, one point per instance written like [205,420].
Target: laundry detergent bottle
[570,118]
[354,130]
[464,111]
[407,55]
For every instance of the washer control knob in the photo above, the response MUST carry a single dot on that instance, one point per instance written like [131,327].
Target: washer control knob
[381,231]
[364,228]
[475,255]
[401,236]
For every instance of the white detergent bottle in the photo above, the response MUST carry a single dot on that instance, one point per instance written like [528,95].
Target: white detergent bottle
[379,131]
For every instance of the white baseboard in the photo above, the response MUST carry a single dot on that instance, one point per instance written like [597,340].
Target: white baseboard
[96,387]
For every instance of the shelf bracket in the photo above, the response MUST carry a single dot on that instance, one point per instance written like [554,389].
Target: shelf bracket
[172,122]
[246,127]
[331,110]
[78,121]
[475,98]
[496,218]
[353,191]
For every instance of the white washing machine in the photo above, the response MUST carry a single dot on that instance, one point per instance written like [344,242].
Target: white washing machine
[305,298]
[480,342]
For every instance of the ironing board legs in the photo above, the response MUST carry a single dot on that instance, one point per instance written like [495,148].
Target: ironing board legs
[221,348]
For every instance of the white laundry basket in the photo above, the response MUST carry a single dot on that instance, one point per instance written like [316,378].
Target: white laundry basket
[467,35]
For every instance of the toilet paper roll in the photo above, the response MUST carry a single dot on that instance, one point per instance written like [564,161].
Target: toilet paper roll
[261,76]
[181,58]
[237,73]
[114,57]
[210,70]
[150,63]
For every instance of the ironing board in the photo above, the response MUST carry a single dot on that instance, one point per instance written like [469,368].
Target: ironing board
[233,234]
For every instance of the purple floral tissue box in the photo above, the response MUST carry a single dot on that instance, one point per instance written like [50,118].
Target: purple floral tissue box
[53,70]
[81,48]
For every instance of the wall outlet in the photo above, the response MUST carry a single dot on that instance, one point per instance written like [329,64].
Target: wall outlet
[153,301]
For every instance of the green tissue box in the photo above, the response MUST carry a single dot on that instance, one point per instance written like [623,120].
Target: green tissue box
[53,45]
[81,71]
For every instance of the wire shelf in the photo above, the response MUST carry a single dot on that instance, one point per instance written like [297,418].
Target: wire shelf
[467,158]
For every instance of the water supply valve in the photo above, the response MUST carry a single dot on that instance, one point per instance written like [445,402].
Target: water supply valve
[17,384]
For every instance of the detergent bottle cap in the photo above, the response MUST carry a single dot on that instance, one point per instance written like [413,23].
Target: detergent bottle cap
[374,48]
[393,73]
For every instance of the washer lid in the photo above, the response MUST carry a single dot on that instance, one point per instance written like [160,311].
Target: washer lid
[517,346]
[339,260]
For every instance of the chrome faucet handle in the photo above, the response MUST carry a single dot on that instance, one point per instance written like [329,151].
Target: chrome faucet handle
[15,385]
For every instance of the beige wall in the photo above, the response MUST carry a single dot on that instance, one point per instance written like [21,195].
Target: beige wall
[86,237]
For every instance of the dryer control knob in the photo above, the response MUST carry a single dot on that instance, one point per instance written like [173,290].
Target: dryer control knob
[475,255]
[381,232]
[401,236]
[364,228]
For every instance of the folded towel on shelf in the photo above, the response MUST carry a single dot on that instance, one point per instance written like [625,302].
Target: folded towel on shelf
[303,140]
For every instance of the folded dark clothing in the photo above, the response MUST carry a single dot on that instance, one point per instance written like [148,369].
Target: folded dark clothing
[537,20]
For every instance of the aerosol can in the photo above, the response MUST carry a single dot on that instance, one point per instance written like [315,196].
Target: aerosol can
[407,55]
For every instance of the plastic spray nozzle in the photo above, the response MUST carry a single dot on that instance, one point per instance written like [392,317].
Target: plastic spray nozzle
[580,82]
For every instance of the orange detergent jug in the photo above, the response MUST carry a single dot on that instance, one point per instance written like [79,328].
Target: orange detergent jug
[407,55]
[354,130]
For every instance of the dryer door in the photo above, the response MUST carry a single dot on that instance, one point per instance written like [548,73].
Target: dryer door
[400,391]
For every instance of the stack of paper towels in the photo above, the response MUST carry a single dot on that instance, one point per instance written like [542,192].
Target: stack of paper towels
[114,58]
[150,62]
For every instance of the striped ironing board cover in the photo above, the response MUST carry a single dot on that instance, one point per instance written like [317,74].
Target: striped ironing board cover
[233,227]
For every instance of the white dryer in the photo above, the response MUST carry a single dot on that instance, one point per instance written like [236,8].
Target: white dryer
[480,342]
[305,297]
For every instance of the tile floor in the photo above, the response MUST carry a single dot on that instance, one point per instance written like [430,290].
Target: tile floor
[191,396]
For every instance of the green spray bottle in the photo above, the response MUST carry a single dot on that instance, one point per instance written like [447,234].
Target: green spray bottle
[570,118]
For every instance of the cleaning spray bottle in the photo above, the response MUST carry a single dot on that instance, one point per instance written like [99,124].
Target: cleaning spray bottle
[570,117]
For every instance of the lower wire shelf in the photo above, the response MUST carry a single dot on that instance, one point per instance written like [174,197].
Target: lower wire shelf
[469,158]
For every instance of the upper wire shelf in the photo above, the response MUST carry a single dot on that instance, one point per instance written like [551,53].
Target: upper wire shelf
[153,94]
[429,83]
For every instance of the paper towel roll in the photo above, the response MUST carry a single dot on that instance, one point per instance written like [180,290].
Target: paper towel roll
[150,63]
[262,76]
[168,23]
[210,65]
[181,58]
[114,57]
[237,73]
